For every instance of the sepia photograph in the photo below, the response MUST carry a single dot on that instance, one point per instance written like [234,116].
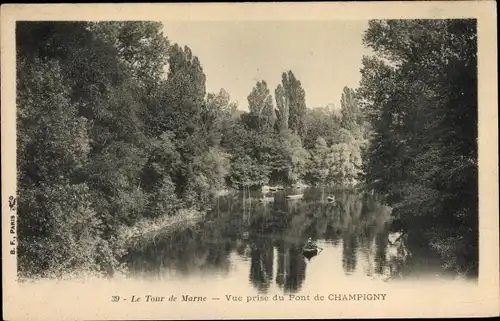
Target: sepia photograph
[164,166]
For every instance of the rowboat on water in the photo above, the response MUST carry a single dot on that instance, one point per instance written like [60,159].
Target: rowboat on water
[310,249]
[296,196]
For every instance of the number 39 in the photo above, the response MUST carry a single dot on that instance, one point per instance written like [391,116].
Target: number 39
[115,298]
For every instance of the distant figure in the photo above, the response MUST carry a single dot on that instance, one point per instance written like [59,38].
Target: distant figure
[310,243]
[311,249]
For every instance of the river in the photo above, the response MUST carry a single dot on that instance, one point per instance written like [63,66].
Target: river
[256,245]
[245,255]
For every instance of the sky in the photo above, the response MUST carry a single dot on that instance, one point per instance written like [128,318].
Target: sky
[324,55]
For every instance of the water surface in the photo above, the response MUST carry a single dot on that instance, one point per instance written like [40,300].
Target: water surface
[257,245]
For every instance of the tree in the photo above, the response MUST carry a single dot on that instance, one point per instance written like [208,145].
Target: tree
[260,103]
[283,108]
[320,162]
[321,122]
[141,47]
[290,100]
[420,91]
[53,148]
[184,92]
[351,115]
[216,115]
[346,160]
[294,158]
[88,102]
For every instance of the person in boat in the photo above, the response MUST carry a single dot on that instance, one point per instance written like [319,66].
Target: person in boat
[310,243]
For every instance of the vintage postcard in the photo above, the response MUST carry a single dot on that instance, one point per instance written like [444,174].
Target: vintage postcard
[249,160]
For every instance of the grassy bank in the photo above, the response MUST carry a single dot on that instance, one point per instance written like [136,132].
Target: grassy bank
[95,257]
[146,230]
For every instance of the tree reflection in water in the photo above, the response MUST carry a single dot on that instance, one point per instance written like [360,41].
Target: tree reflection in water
[355,224]
[261,266]
[349,251]
[291,268]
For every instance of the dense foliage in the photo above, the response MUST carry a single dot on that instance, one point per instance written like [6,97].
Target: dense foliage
[420,93]
[107,137]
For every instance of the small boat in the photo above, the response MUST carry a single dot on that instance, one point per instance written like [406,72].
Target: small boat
[310,249]
[310,254]
[294,197]
[266,199]
[273,189]
[331,198]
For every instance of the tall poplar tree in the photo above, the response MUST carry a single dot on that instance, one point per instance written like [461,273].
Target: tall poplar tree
[291,103]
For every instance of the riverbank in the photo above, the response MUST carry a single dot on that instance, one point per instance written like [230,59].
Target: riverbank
[146,230]
[105,255]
